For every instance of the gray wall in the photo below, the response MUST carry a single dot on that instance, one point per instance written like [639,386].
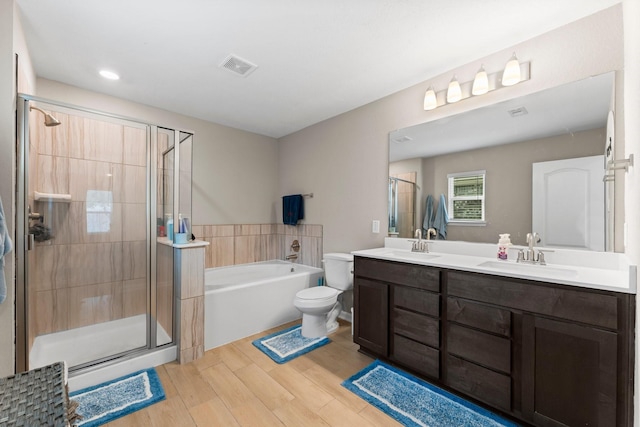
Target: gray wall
[508,180]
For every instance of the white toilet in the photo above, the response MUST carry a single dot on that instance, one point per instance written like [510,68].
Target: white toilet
[319,305]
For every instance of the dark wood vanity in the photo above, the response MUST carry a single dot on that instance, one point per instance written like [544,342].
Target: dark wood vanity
[545,354]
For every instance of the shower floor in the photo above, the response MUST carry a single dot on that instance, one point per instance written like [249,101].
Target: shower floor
[88,343]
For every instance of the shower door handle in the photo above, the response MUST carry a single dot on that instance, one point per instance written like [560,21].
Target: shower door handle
[31,239]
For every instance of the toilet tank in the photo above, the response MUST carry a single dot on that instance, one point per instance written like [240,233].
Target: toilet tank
[338,270]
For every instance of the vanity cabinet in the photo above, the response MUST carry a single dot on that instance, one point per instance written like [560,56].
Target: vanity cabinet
[547,354]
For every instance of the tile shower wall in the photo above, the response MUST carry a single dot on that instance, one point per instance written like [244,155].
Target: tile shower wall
[79,277]
[244,243]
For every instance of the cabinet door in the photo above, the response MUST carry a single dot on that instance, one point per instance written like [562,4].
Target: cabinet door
[569,374]
[371,315]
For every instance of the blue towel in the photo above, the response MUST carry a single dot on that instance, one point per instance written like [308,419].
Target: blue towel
[292,209]
[442,219]
[5,248]
[428,214]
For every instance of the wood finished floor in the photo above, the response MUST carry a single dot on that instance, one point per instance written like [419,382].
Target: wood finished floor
[237,385]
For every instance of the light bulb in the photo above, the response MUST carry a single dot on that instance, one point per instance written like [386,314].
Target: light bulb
[511,74]
[480,82]
[430,100]
[454,93]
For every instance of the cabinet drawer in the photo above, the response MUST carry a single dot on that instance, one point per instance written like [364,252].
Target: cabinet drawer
[481,383]
[402,274]
[416,326]
[553,300]
[416,300]
[420,358]
[479,347]
[488,318]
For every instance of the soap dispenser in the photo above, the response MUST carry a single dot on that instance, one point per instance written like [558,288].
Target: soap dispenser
[503,246]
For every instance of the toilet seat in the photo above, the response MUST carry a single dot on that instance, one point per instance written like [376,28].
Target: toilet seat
[318,294]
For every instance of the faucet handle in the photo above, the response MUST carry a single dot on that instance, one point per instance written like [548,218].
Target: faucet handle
[520,256]
[541,259]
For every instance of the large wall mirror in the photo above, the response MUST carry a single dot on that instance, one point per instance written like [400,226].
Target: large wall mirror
[508,141]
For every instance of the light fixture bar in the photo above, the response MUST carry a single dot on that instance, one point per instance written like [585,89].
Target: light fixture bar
[494,80]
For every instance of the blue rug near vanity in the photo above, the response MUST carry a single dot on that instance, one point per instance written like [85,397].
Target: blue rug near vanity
[414,402]
[288,344]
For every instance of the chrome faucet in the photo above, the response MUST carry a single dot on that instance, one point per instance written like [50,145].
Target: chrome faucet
[419,245]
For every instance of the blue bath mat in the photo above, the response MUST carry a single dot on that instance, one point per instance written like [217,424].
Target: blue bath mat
[105,402]
[288,344]
[414,402]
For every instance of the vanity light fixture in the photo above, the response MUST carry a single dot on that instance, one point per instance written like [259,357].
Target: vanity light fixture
[454,93]
[109,75]
[430,99]
[514,73]
[480,82]
[511,74]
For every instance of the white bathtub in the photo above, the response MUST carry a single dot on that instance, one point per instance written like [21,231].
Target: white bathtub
[245,299]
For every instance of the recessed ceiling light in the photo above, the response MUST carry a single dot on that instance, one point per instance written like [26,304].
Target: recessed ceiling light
[109,75]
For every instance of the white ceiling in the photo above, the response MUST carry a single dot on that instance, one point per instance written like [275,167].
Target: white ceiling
[316,58]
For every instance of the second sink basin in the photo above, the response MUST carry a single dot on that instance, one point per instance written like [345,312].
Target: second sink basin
[412,255]
[528,268]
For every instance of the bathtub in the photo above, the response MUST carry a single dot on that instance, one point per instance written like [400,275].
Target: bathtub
[245,299]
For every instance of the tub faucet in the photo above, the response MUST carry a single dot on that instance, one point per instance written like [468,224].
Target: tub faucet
[291,257]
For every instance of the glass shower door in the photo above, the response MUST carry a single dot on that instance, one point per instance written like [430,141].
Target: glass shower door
[87,275]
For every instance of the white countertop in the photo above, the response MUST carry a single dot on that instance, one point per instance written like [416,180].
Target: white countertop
[595,270]
[190,244]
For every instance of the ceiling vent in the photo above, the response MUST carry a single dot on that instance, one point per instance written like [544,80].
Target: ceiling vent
[238,66]
[402,139]
[517,112]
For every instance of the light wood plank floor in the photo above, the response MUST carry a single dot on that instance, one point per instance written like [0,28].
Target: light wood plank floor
[237,385]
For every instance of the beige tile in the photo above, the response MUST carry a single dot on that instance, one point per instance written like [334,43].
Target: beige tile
[190,354]
[134,295]
[296,413]
[247,230]
[134,189]
[75,132]
[42,268]
[93,304]
[50,311]
[254,413]
[80,222]
[198,231]
[269,391]
[134,221]
[213,413]
[268,229]
[247,249]
[233,392]
[135,146]
[378,418]
[191,386]
[40,135]
[311,251]
[171,412]
[301,387]
[102,141]
[220,252]
[192,322]
[134,257]
[53,174]
[191,272]
[86,264]
[91,175]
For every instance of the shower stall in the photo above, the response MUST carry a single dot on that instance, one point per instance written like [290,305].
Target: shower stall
[93,189]
[402,206]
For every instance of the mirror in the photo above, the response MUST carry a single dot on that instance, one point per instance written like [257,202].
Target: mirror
[505,140]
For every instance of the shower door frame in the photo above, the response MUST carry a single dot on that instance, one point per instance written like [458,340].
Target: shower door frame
[23,241]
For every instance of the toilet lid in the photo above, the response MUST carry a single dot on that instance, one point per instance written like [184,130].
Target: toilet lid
[317,292]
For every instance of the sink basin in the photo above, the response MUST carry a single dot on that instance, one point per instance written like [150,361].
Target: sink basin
[529,269]
[412,255]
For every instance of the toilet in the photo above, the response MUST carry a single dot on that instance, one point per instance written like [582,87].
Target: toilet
[319,305]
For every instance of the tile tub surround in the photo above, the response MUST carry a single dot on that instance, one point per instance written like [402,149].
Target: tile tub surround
[245,243]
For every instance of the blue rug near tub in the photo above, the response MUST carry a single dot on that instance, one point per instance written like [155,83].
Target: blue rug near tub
[288,344]
[105,402]
[414,402]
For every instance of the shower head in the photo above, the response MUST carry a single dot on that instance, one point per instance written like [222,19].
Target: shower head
[49,120]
